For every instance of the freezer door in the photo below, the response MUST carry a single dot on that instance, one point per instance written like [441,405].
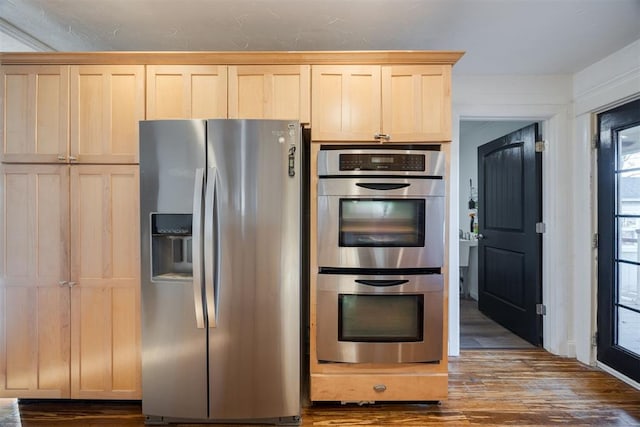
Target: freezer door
[174,361]
[254,354]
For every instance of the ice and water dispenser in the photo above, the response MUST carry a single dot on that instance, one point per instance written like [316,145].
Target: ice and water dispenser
[171,250]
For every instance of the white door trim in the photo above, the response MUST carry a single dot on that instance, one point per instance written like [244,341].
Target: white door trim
[557,207]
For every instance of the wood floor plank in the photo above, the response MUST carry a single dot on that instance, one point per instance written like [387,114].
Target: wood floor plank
[486,387]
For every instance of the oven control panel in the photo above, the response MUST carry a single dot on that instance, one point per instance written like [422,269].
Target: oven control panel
[425,161]
[382,162]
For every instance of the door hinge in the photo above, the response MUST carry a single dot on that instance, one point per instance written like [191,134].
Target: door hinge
[540,146]
[541,309]
[595,241]
[594,339]
[595,141]
[541,227]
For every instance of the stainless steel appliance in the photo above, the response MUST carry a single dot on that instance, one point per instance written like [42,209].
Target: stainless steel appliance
[220,221]
[379,318]
[380,254]
[380,208]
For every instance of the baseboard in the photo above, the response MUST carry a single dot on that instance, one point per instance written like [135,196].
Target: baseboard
[618,375]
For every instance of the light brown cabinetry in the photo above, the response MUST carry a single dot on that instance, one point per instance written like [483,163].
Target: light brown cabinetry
[35,113]
[390,103]
[34,261]
[416,102]
[76,114]
[270,92]
[346,102]
[106,103]
[70,282]
[105,265]
[186,92]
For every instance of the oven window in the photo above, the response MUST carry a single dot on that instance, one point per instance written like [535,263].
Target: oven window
[381,222]
[380,318]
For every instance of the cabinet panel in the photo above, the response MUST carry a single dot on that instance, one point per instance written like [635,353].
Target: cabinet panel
[106,104]
[346,102]
[35,112]
[270,92]
[105,303]
[407,103]
[359,387]
[186,92]
[416,102]
[34,313]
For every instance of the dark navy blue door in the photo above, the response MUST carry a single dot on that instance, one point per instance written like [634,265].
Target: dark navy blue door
[509,251]
[619,239]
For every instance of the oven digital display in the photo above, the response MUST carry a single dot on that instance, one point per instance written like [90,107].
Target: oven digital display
[382,160]
[387,162]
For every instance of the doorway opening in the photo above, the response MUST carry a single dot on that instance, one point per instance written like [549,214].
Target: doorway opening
[477,329]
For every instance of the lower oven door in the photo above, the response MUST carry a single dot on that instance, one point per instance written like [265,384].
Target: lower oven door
[380,223]
[379,319]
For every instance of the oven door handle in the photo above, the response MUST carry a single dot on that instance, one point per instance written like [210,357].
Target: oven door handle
[381,283]
[382,185]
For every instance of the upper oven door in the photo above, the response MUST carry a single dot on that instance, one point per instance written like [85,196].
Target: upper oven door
[380,223]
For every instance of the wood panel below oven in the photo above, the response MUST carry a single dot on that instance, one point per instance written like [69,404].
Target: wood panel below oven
[378,387]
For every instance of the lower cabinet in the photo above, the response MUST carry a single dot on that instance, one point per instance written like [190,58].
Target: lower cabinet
[69,282]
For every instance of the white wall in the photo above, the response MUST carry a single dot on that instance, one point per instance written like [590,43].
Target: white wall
[565,105]
[526,98]
[9,44]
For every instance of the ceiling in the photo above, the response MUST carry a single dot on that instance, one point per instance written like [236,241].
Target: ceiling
[499,36]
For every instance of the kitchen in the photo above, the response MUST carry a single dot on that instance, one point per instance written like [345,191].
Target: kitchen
[550,88]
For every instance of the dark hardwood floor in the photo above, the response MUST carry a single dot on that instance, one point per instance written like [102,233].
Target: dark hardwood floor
[486,387]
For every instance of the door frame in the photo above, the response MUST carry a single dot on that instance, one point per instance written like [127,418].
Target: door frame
[554,127]
[588,123]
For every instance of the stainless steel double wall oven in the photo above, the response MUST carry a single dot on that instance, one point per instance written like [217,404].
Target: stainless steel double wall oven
[380,253]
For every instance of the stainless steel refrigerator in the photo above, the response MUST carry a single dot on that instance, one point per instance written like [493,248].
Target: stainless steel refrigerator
[220,228]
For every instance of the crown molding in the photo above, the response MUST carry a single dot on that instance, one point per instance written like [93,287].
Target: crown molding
[24,38]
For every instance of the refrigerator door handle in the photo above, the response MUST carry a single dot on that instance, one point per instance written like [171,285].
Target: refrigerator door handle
[196,242]
[211,246]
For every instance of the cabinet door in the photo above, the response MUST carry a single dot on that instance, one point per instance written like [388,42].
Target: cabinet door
[105,274]
[186,92]
[35,112]
[416,102]
[345,102]
[107,101]
[270,92]
[34,267]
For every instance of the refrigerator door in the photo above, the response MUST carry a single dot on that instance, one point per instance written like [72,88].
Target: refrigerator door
[254,357]
[174,361]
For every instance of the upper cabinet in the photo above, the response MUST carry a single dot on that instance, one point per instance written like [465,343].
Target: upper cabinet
[270,92]
[186,92]
[35,113]
[416,102]
[107,102]
[390,103]
[71,114]
[346,102]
